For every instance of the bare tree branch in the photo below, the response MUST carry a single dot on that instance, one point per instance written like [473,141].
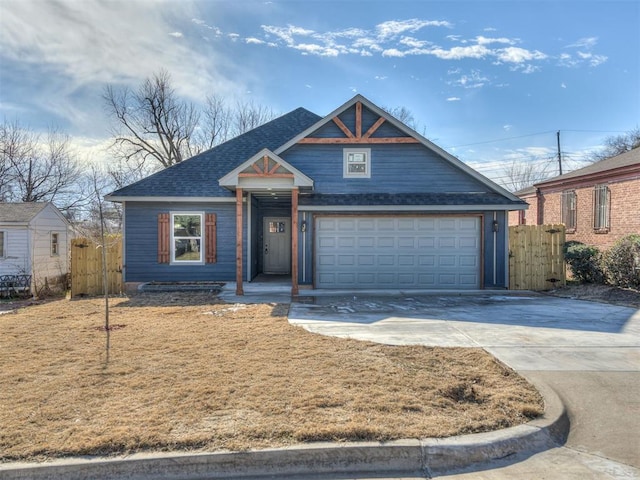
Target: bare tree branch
[38,171]
[617,144]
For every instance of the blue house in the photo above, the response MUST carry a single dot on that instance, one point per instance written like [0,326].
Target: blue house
[353,200]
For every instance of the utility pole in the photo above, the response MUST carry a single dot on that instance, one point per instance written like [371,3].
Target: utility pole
[559,154]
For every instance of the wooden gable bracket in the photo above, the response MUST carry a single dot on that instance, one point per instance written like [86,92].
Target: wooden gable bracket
[265,171]
[350,138]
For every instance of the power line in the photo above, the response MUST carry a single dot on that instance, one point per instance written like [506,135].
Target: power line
[501,139]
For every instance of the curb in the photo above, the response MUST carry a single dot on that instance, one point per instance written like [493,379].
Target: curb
[423,457]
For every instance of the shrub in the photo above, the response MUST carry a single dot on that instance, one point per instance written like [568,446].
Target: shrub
[622,262]
[585,262]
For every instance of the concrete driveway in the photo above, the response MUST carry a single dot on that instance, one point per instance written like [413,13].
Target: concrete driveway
[588,352]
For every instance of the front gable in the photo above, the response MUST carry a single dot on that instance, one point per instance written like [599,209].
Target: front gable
[358,124]
[266,170]
[402,160]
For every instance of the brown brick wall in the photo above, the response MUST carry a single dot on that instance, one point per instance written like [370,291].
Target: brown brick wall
[624,213]
[530,215]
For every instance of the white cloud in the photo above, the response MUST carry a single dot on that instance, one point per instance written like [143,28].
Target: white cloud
[393,52]
[83,45]
[490,29]
[474,80]
[458,53]
[380,77]
[507,127]
[286,33]
[486,41]
[176,34]
[563,85]
[453,99]
[254,41]
[413,42]
[518,55]
[587,42]
[233,36]
[393,28]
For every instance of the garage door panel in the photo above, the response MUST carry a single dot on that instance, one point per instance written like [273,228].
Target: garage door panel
[388,252]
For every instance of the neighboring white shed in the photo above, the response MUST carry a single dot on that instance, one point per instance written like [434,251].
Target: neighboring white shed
[34,240]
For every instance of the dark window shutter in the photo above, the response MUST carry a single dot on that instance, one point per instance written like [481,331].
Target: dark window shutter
[164,238]
[210,237]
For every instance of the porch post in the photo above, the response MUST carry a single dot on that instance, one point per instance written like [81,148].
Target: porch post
[294,241]
[239,290]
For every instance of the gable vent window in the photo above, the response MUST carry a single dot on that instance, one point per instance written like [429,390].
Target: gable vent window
[357,163]
[55,245]
[601,208]
[569,210]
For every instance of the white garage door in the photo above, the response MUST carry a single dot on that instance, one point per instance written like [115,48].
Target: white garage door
[397,252]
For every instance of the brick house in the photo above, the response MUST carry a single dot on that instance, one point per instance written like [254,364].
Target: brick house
[599,204]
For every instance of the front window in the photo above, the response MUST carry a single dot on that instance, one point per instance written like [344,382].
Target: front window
[601,208]
[55,246]
[187,237]
[357,162]
[2,244]
[569,210]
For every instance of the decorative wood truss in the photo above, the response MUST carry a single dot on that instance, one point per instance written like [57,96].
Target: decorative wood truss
[266,167]
[358,137]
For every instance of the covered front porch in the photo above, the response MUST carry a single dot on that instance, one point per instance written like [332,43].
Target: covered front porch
[269,187]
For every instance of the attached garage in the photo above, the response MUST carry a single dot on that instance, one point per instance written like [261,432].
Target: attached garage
[379,252]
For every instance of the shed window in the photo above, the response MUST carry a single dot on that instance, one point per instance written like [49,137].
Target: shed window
[3,239]
[357,163]
[569,210]
[187,237]
[55,246]
[601,208]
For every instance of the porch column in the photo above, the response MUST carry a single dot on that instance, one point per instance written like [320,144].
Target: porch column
[294,241]
[239,290]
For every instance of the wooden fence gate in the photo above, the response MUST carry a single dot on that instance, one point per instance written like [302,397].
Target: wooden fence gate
[86,266]
[536,257]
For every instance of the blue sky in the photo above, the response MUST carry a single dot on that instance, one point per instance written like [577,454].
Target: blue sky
[490,81]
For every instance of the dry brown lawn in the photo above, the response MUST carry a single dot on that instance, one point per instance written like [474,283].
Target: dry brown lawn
[187,372]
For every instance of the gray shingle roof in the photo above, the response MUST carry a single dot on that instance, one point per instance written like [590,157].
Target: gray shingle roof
[198,176]
[401,199]
[632,157]
[20,212]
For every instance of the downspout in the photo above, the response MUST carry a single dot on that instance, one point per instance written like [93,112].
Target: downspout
[495,248]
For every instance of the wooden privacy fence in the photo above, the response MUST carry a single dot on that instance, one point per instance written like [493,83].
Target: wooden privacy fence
[86,266]
[536,257]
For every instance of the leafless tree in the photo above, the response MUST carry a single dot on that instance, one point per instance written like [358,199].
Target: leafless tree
[215,124]
[247,116]
[155,129]
[521,174]
[37,170]
[152,123]
[617,144]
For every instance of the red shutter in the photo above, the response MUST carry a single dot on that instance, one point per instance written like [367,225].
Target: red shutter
[164,238]
[210,237]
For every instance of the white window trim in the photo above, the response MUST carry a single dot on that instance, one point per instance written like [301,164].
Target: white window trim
[345,163]
[57,252]
[173,243]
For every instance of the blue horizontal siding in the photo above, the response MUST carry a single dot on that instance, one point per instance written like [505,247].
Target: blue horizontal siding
[395,168]
[141,239]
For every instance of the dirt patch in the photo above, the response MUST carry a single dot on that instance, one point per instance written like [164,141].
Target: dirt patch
[600,293]
[190,373]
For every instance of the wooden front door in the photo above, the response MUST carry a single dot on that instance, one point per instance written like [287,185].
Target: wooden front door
[276,251]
